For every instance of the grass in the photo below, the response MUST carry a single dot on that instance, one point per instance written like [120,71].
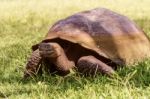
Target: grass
[25,22]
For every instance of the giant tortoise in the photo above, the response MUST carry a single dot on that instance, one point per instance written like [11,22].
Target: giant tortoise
[94,41]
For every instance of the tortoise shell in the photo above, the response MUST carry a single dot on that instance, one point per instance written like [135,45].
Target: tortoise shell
[105,32]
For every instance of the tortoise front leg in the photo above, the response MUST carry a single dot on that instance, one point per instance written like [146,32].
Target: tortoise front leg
[32,66]
[89,65]
[55,53]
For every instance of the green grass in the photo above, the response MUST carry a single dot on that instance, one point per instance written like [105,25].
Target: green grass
[25,22]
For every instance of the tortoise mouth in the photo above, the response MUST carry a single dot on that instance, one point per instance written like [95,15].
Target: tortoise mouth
[46,54]
[74,51]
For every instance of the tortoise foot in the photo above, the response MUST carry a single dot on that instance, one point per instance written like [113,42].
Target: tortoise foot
[89,65]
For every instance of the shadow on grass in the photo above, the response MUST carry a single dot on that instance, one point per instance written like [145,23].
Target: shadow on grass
[17,92]
[138,76]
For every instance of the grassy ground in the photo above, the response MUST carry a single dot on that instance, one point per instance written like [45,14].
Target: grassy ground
[25,22]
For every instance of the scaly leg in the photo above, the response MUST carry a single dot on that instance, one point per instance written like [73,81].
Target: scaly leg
[55,53]
[32,66]
[89,65]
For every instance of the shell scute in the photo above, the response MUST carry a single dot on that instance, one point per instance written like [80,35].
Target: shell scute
[108,33]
